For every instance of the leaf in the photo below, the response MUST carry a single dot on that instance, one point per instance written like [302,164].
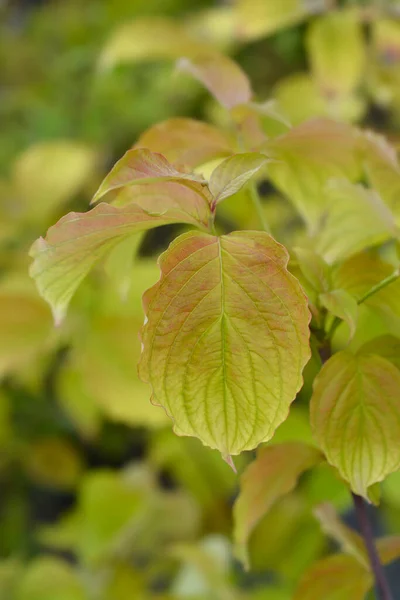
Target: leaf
[309,155]
[330,40]
[221,76]
[273,474]
[386,346]
[153,38]
[258,19]
[106,359]
[359,215]
[54,462]
[79,240]
[186,141]
[49,578]
[225,307]
[349,540]
[314,269]
[388,548]
[355,417]
[25,328]
[359,274]
[341,304]
[269,109]
[139,166]
[383,170]
[337,577]
[234,172]
[49,173]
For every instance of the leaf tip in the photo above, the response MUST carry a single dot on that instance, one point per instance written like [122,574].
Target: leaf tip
[229,460]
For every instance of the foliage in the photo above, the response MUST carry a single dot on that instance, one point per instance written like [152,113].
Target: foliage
[276,225]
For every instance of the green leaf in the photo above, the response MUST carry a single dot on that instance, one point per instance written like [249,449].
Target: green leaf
[25,328]
[337,577]
[308,156]
[258,19]
[341,304]
[386,346]
[148,39]
[223,307]
[330,40]
[48,578]
[79,240]
[269,109]
[273,474]
[139,166]
[220,75]
[314,269]
[48,174]
[359,215]
[383,170]
[388,548]
[186,141]
[355,417]
[349,540]
[234,172]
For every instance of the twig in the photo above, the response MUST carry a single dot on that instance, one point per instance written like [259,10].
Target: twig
[381,582]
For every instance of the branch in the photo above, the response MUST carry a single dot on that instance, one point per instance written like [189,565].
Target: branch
[381,582]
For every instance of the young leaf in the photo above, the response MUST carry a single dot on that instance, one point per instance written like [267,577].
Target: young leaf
[140,166]
[333,578]
[222,77]
[330,40]
[386,346]
[355,417]
[79,240]
[314,269]
[341,304]
[225,338]
[359,215]
[186,141]
[273,474]
[234,172]
[388,548]
[348,539]
[308,156]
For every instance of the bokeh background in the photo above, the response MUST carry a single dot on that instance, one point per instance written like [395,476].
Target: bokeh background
[98,499]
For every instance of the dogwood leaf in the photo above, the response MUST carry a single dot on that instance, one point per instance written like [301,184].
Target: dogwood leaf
[341,304]
[307,156]
[355,417]
[140,166]
[335,577]
[222,77]
[234,172]
[225,338]
[79,240]
[186,141]
[273,474]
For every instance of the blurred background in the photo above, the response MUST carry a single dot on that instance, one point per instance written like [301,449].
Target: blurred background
[98,499]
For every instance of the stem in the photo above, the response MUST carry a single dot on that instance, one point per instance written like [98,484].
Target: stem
[376,288]
[258,207]
[379,286]
[381,582]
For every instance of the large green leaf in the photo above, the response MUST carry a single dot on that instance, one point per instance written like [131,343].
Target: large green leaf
[342,305]
[355,416]
[225,338]
[273,474]
[359,215]
[79,240]
[337,577]
[307,156]
[186,141]
[386,346]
